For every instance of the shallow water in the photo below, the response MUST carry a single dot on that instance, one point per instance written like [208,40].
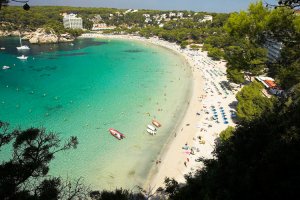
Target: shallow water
[85,89]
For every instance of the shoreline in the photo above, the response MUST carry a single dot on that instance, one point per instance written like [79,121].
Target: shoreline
[174,161]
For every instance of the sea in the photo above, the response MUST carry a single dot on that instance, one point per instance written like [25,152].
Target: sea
[86,87]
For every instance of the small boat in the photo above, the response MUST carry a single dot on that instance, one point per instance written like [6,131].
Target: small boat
[22,47]
[22,57]
[151,131]
[2,48]
[5,67]
[151,127]
[156,123]
[116,134]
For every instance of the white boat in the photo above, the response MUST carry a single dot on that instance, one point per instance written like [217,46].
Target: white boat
[151,131]
[2,48]
[5,67]
[22,57]
[22,47]
[151,127]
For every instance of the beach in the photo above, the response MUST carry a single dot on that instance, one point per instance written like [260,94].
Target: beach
[208,113]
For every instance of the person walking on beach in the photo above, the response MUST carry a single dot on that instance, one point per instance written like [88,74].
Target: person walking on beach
[184,163]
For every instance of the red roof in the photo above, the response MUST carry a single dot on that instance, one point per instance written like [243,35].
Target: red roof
[270,83]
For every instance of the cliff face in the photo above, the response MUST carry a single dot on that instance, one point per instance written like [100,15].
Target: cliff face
[40,36]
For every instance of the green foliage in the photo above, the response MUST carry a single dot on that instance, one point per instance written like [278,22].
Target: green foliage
[194,47]
[227,133]
[75,32]
[249,24]
[215,53]
[259,161]
[234,75]
[33,149]
[251,103]
[184,44]
[280,23]
[118,194]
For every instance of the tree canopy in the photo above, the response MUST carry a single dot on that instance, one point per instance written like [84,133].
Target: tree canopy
[25,174]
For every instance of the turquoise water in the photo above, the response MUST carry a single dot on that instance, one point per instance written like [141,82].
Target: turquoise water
[89,87]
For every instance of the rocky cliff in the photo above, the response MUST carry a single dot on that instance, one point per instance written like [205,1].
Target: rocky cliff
[40,36]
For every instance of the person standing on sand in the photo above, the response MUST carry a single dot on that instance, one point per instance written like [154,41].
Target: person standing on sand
[184,163]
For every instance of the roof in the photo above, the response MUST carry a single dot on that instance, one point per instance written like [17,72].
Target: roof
[270,83]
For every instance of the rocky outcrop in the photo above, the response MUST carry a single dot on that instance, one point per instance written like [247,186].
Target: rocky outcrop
[9,33]
[40,36]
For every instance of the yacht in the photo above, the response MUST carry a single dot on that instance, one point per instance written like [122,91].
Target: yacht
[151,131]
[22,47]
[151,127]
[22,57]
[5,67]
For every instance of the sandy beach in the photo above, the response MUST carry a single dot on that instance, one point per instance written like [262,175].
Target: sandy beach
[208,113]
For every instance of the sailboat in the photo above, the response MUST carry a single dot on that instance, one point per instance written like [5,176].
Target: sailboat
[22,47]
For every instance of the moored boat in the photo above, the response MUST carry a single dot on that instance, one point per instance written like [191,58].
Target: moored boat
[152,132]
[5,67]
[22,47]
[116,134]
[156,123]
[151,127]
[22,57]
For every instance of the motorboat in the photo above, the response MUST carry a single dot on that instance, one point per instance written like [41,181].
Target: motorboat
[151,127]
[22,47]
[116,134]
[22,57]
[152,132]
[156,123]
[5,67]
[2,48]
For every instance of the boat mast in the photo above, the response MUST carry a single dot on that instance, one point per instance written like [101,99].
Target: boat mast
[20,38]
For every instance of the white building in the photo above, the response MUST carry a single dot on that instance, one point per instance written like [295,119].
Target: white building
[73,22]
[130,11]
[102,26]
[207,18]
[274,49]
[163,16]
[171,14]
[180,15]
[146,15]
[147,20]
